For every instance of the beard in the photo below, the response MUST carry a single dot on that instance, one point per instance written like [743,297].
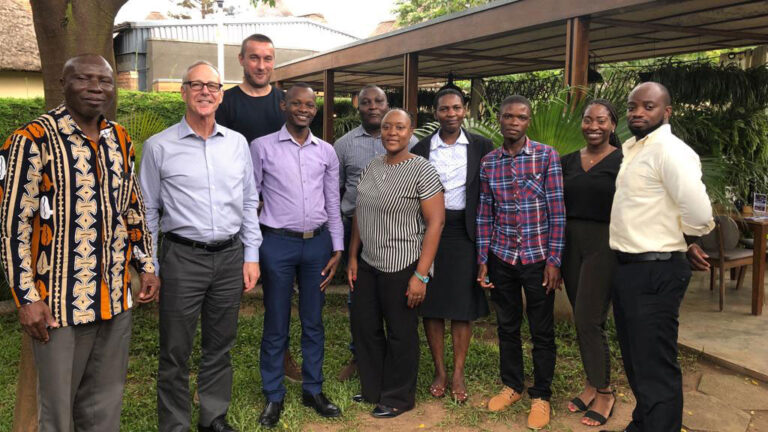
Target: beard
[641,133]
[252,82]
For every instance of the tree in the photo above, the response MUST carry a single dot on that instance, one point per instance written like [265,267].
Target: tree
[209,7]
[411,12]
[64,28]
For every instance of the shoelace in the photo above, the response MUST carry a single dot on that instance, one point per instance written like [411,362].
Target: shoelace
[539,406]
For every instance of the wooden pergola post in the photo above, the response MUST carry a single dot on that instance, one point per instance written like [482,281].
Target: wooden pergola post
[476,95]
[577,55]
[411,85]
[328,94]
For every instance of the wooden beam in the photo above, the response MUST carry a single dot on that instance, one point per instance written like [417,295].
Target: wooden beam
[493,21]
[494,58]
[577,55]
[476,95]
[328,94]
[411,85]
[682,29]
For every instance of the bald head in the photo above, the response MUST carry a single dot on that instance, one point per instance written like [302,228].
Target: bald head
[655,88]
[648,107]
[84,59]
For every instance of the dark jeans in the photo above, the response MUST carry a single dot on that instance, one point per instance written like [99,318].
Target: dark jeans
[509,281]
[588,266]
[387,362]
[646,305]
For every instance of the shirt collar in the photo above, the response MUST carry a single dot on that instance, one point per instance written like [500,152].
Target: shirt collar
[360,131]
[105,126]
[185,130]
[664,129]
[284,135]
[527,148]
[436,141]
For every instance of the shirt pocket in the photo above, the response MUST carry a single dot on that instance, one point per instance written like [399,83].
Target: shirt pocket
[533,187]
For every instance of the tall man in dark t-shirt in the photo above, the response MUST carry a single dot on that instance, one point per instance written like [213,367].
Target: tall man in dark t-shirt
[253,109]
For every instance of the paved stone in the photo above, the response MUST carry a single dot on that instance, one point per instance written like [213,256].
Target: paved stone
[742,393]
[706,413]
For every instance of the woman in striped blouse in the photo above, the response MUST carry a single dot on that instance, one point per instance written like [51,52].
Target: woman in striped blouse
[398,219]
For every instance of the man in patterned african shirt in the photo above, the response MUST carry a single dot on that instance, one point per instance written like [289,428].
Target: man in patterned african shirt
[71,219]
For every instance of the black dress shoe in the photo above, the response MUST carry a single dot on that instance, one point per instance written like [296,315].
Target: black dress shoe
[358,398]
[321,404]
[271,414]
[219,424]
[383,411]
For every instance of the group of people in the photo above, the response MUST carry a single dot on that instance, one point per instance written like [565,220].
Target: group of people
[425,229]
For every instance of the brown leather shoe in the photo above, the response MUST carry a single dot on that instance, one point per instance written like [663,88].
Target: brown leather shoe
[506,397]
[348,371]
[538,418]
[292,369]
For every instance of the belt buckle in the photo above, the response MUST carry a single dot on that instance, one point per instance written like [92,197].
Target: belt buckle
[307,235]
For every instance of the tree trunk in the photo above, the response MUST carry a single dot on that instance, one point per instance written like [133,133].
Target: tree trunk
[64,28]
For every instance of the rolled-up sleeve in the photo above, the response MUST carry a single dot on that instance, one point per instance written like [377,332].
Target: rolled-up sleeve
[681,175]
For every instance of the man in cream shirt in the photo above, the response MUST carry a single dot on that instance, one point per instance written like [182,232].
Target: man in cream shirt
[660,208]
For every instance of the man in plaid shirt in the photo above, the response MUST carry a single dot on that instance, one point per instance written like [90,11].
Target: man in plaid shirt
[520,238]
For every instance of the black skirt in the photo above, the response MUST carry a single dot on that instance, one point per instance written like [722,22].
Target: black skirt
[453,292]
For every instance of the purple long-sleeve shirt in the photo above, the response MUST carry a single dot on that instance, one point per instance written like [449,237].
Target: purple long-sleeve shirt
[299,184]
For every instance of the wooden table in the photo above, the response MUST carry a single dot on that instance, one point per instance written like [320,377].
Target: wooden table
[759,228]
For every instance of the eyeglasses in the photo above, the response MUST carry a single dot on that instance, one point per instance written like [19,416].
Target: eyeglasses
[213,87]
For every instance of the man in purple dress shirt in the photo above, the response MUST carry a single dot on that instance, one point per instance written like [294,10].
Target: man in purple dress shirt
[298,177]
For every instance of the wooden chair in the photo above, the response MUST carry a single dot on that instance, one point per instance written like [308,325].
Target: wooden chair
[722,246]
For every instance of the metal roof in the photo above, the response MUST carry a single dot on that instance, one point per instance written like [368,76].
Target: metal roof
[514,36]
[287,33]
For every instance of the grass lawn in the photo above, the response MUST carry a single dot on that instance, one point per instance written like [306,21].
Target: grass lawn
[139,405]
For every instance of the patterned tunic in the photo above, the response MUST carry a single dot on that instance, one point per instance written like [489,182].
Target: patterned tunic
[71,217]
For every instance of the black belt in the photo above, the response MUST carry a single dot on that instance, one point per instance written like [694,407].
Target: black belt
[298,234]
[208,247]
[625,258]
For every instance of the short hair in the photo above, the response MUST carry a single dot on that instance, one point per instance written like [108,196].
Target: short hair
[72,60]
[370,87]
[410,117]
[515,99]
[256,37]
[200,63]
[666,97]
[446,92]
[298,85]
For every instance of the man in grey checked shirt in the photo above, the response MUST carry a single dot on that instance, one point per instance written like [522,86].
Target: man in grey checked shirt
[355,150]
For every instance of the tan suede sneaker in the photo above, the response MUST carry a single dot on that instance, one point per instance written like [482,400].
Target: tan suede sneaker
[539,415]
[506,397]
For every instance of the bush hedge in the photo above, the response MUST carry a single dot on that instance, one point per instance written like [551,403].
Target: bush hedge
[168,107]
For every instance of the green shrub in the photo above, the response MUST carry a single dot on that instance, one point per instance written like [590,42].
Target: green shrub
[14,113]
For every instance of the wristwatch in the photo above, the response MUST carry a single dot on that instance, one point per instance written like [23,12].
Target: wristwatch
[418,275]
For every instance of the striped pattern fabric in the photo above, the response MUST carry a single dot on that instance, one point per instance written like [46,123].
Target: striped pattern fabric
[355,151]
[521,215]
[71,218]
[389,211]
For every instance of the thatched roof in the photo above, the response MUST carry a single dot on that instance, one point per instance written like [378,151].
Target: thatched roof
[17,37]
[384,27]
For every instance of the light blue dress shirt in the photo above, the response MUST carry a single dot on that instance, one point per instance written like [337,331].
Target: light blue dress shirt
[201,189]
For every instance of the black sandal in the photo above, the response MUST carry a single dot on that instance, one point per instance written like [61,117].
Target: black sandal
[580,404]
[596,416]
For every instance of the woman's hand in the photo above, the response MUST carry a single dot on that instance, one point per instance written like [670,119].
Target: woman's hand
[352,272]
[417,290]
